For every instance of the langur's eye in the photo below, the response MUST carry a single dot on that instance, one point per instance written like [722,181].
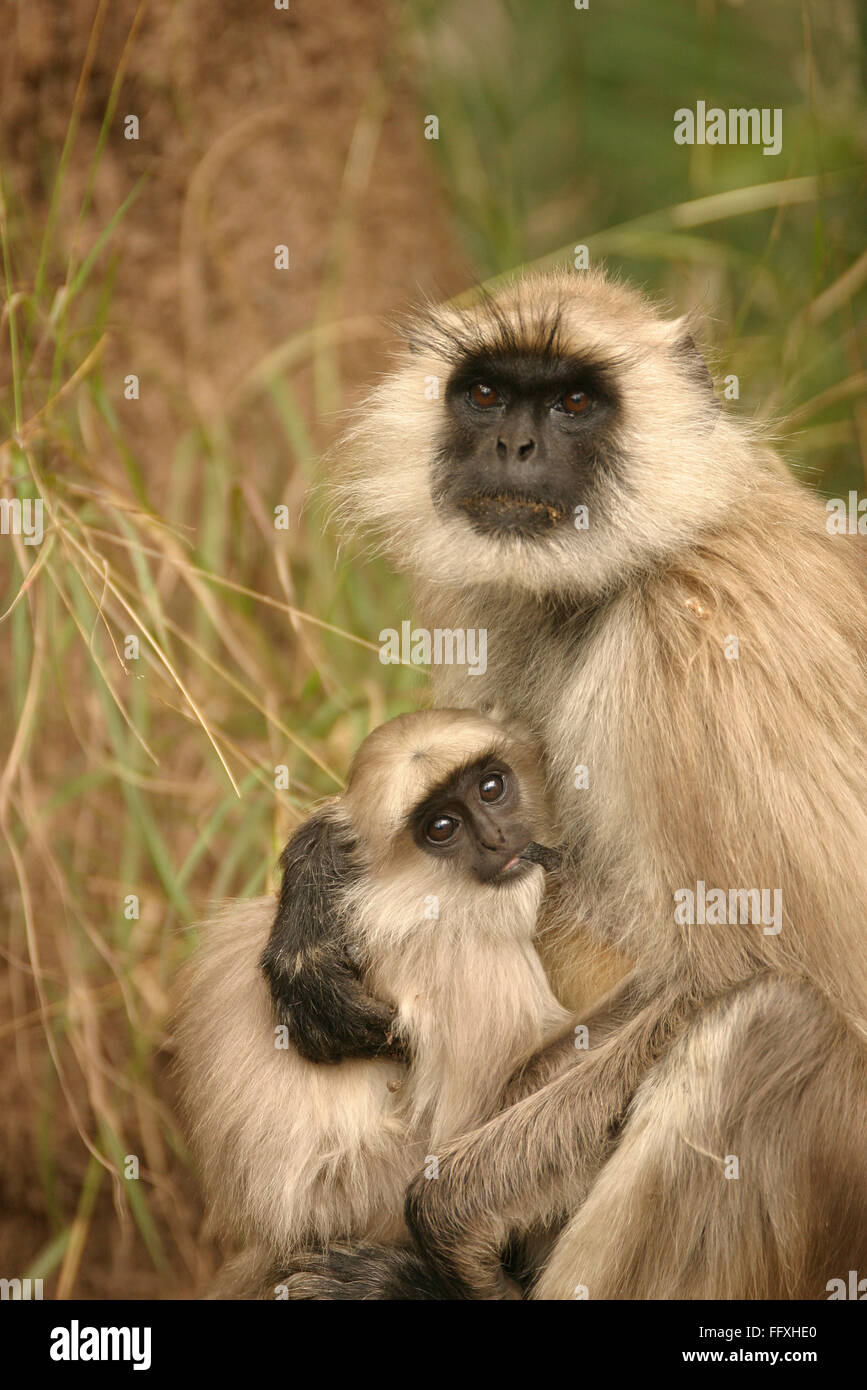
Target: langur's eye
[440,829]
[575,402]
[492,787]
[484,396]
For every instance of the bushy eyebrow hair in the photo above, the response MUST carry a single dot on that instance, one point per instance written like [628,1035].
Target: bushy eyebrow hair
[437,790]
[490,329]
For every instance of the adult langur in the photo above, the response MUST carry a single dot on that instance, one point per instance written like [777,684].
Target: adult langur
[668,612]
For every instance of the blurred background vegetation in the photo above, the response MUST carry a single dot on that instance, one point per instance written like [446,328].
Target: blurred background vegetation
[153,777]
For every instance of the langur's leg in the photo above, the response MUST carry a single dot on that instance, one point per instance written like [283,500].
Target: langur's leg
[740,1172]
[351,1273]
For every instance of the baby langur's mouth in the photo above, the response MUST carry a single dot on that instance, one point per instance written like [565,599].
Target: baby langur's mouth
[550,859]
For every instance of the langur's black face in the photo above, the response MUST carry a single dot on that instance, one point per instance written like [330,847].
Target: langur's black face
[529,437]
[476,820]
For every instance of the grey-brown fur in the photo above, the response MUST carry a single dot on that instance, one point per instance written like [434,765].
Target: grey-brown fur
[611,644]
[296,1155]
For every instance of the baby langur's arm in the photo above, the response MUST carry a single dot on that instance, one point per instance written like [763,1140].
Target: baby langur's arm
[315,985]
[610,1013]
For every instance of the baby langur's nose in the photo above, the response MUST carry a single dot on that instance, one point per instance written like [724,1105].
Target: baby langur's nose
[498,847]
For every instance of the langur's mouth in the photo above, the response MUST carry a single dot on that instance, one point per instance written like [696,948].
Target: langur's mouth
[510,511]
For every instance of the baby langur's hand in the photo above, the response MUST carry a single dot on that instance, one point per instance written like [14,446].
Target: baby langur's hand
[329,1014]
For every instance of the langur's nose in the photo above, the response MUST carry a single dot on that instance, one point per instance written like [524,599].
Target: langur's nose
[521,451]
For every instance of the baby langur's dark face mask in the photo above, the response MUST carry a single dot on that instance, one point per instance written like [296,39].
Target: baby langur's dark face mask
[477,820]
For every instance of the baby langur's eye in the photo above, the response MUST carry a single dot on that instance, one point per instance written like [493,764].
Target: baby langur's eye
[440,829]
[575,402]
[483,395]
[492,786]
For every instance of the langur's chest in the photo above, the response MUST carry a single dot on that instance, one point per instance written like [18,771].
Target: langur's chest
[570,692]
[554,680]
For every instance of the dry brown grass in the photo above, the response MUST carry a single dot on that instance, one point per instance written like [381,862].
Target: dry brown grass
[154,776]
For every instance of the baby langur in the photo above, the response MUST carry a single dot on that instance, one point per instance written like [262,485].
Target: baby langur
[429,864]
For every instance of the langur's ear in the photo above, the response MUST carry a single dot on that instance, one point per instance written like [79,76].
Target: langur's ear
[694,368]
[692,362]
[678,335]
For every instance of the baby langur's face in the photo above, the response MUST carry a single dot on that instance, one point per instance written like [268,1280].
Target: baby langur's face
[476,820]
